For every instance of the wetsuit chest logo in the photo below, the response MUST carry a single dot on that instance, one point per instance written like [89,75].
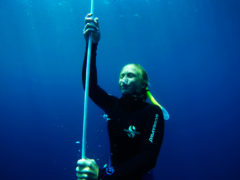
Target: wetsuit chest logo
[131,131]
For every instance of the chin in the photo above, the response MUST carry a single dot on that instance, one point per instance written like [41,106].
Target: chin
[125,92]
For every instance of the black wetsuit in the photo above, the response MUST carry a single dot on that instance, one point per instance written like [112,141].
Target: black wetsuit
[135,129]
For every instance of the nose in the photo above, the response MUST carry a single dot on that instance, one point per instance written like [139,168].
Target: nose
[124,80]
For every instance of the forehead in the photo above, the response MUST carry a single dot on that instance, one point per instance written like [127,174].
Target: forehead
[130,68]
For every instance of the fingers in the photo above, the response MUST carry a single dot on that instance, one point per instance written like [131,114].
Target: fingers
[81,176]
[86,166]
[87,169]
[96,20]
[91,26]
[84,162]
[89,19]
[82,173]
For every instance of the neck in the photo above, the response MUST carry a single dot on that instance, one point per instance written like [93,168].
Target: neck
[137,97]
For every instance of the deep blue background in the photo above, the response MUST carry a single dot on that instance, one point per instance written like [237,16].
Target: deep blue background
[190,49]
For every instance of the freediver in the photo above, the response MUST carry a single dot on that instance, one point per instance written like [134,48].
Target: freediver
[135,127]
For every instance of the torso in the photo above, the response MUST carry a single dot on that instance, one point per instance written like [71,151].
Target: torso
[126,125]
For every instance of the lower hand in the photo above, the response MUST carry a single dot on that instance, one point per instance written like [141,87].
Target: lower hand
[87,169]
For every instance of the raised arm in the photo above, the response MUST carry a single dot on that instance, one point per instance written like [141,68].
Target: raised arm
[88,168]
[97,94]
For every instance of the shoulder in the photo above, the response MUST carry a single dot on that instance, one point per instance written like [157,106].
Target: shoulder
[111,103]
[153,108]
[154,111]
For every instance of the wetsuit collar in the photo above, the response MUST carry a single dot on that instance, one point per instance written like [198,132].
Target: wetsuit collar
[132,101]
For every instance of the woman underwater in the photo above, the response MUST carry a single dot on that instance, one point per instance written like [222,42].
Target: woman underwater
[135,127]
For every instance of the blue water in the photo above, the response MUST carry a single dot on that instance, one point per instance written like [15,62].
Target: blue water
[190,49]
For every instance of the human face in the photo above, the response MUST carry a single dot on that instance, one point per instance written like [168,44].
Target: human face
[130,80]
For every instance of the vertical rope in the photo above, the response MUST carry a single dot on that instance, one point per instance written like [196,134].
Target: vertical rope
[86,91]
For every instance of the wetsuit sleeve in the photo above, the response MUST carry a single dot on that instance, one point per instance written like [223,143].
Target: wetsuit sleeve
[96,93]
[146,158]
